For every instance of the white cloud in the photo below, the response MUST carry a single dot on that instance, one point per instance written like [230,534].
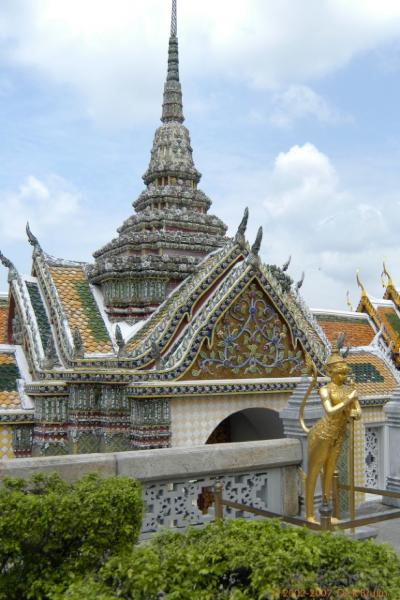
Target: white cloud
[327,228]
[113,54]
[307,210]
[45,204]
[300,101]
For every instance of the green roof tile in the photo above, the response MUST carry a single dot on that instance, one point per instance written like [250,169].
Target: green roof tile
[40,312]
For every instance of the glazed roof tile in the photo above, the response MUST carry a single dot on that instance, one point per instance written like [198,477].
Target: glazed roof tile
[9,373]
[80,307]
[3,319]
[390,319]
[372,377]
[40,311]
[357,328]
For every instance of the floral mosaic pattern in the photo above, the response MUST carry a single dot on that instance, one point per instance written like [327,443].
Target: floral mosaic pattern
[250,340]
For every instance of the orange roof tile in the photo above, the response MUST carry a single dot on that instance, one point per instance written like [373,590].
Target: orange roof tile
[9,373]
[359,332]
[3,322]
[80,308]
[371,375]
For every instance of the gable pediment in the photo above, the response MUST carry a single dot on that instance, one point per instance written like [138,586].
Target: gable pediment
[251,339]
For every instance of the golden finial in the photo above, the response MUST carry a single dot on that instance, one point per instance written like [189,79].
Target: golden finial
[360,285]
[349,302]
[389,281]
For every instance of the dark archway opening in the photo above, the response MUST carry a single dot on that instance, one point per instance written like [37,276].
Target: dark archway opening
[248,425]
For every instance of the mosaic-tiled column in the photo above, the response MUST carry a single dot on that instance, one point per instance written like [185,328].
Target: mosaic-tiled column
[84,419]
[292,428]
[22,438]
[50,429]
[114,419]
[392,412]
[150,423]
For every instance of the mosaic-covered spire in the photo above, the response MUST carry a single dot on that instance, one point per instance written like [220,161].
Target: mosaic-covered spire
[172,99]
[171,231]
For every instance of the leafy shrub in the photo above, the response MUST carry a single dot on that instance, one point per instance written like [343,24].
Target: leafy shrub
[245,560]
[52,533]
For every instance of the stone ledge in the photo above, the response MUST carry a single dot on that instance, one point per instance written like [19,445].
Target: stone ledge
[164,464]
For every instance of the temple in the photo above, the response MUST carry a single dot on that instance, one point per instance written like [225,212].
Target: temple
[177,335]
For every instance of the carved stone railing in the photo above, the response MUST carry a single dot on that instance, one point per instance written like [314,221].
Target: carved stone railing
[177,481]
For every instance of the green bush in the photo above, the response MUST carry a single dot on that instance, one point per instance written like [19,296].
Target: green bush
[52,533]
[245,560]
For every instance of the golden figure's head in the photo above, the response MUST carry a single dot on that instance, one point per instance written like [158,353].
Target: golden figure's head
[336,366]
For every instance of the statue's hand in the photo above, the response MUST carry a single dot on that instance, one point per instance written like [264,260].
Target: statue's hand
[355,413]
[351,397]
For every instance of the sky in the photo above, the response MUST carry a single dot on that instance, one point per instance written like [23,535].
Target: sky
[292,106]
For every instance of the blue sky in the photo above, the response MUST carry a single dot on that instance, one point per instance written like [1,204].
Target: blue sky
[292,108]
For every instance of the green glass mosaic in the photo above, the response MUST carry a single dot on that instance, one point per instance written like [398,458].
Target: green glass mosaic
[394,322]
[8,376]
[96,323]
[40,312]
[365,373]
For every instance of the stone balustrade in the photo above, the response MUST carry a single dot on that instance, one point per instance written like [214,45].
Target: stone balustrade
[176,481]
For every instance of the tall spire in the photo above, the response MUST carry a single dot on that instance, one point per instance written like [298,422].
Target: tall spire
[172,100]
[174,21]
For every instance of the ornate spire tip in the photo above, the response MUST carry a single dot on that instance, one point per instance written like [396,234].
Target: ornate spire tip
[174,22]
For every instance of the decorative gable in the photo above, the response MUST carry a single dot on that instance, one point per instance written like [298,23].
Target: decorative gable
[251,339]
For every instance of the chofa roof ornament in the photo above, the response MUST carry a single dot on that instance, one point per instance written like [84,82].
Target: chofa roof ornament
[32,239]
[239,237]
[360,285]
[12,271]
[385,274]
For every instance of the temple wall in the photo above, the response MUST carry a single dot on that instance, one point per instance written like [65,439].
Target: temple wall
[193,419]
[373,416]
[6,449]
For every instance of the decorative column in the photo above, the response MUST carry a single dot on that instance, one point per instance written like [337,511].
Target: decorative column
[84,417]
[50,428]
[292,428]
[150,423]
[114,418]
[392,412]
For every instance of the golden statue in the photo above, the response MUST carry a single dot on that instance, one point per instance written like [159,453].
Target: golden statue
[325,438]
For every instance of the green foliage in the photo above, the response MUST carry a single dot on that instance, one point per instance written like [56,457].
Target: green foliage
[52,533]
[245,560]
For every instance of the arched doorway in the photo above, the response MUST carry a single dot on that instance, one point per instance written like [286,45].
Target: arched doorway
[248,425]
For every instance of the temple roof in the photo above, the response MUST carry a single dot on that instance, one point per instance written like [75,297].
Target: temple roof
[9,373]
[3,318]
[357,327]
[373,373]
[384,313]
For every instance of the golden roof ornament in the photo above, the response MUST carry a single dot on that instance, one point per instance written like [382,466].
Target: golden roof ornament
[389,280]
[349,302]
[360,285]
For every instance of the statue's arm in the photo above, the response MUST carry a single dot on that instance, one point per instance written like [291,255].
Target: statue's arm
[327,404]
[356,410]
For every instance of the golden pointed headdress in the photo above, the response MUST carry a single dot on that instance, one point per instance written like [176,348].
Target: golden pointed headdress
[335,358]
